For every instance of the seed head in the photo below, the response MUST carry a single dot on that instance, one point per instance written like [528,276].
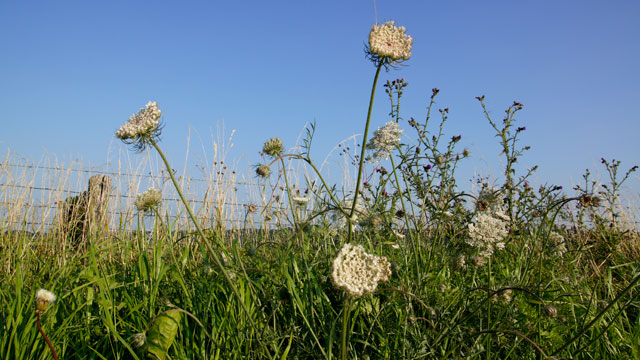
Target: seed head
[138,340]
[550,311]
[587,200]
[263,171]
[44,298]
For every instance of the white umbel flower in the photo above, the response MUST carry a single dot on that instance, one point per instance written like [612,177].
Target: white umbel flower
[388,41]
[148,200]
[487,233]
[44,298]
[301,200]
[384,140]
[357,272]
[142,126]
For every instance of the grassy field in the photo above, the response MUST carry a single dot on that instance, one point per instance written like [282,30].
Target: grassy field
[505,272]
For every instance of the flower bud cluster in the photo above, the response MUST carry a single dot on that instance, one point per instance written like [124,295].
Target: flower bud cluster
[142,124]
[390,42]
[273,147]
[148,200]
[357,272]
[384,140]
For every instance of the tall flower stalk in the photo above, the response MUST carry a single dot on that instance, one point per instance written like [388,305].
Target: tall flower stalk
[388,46]
[144,129]
[44,298]
[357,273]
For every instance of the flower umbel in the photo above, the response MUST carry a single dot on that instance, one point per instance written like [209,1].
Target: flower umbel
[357,272]
[384,140]
[389,43]
[488,232]
[44,298]
[148,200]
[263,171]
[142,127]
[273,147]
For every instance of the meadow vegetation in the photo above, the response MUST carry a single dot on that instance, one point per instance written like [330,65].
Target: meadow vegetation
[400,265]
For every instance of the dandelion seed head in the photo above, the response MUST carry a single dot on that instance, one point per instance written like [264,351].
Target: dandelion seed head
[44,298]
[357,272]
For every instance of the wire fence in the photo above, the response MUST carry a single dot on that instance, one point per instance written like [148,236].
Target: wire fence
[31,197]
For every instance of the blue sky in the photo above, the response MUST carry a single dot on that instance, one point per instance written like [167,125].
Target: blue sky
[71,72]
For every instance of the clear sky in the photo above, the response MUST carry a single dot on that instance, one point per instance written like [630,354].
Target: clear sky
[71,72]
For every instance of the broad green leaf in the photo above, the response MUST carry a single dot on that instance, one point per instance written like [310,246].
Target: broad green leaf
[161,334]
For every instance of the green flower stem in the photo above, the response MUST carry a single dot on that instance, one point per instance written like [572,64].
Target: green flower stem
[315,169]
[286,183]
[346,311]
[204,243]
[406,217]
[362,151]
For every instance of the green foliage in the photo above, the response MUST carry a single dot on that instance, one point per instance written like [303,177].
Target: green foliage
[162,333]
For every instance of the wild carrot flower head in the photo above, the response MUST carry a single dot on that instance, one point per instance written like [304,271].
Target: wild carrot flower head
[301,200]
[148,200]
[44,298]
[273,147]
[389,44]
[142,127]
[263,171]
[487,233]
[357,272]
[384,140]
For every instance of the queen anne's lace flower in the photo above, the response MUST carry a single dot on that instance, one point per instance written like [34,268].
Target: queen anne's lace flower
[44,298]
[487,232]
[390,42]
[557,244]
[273,147]
[141,123]
[300,200]
[384,140]
[148,200]
[357,272]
